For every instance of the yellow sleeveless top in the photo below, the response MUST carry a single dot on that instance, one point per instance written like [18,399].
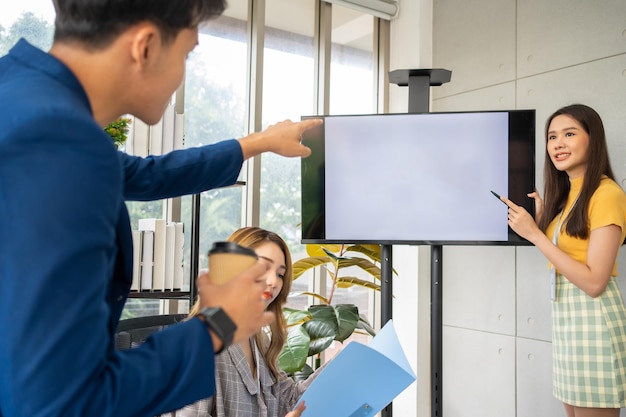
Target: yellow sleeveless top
[607,206]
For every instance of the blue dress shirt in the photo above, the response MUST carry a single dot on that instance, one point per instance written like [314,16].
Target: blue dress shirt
[66,254]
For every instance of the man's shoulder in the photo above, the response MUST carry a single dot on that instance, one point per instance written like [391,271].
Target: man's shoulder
[34,82]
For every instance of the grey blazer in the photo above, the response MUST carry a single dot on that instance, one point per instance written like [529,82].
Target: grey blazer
[238,394]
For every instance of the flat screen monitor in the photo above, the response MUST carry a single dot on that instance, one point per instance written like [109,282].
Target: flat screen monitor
[418,178]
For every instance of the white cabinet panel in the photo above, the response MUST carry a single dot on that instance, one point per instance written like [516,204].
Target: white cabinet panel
[478,374]
[534,380]
[479,288]
[533,295]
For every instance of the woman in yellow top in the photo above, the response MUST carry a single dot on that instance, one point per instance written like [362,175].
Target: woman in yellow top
[580,228]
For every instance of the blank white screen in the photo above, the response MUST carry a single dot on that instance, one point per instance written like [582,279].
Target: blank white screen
[416,177]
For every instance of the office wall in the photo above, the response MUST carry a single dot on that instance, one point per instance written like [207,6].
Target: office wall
[508,54]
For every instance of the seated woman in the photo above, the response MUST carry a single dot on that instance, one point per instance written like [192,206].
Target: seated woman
[248,379]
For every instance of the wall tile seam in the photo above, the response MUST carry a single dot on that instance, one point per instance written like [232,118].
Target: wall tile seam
[578,64]
[526,77]
[479,330]
[473,90]
[515,336]
[533,339]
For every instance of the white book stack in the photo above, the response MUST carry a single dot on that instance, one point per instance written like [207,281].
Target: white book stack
[168,129]
[137,251]
[179,242]
[158,255]
[130,139]
[170,231]
[147,260]
[141,138]
[157,227]
[179,128]
[156,138]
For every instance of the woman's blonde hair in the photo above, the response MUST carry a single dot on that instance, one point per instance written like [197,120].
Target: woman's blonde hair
[252,237]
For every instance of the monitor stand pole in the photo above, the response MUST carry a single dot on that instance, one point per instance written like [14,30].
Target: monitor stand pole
[419,82]
[386,299]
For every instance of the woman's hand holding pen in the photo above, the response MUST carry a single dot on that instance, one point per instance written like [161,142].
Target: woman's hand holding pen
[521,221]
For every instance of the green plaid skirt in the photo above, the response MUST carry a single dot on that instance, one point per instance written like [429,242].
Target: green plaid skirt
[589,346]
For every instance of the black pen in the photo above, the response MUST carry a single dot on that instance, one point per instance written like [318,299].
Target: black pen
[498,197]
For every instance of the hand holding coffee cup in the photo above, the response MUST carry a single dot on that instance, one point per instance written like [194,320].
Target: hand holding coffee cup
[227,260]
[240,295]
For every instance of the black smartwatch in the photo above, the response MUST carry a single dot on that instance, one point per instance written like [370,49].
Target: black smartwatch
[218,321]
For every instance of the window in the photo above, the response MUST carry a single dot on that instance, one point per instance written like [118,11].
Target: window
[32,20]
[351,70]
[288,87]
[215,109]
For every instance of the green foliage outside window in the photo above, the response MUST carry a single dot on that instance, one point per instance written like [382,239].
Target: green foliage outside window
[35,30]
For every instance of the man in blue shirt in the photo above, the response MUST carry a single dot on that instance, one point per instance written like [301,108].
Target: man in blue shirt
[65,237]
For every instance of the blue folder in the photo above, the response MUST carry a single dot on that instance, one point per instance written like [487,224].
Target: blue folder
[361,380]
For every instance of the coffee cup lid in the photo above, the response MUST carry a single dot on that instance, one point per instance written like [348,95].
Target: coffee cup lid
[231,247]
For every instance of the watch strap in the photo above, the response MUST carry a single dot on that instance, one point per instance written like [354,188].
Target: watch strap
[219,323]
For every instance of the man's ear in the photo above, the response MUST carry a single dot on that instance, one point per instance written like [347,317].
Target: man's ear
[145,45]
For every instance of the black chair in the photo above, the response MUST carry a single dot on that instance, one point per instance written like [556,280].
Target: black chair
[132,332]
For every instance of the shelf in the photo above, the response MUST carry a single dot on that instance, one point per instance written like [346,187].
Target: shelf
[159,294]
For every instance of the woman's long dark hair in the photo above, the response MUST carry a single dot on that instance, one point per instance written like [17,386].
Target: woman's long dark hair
[557,183]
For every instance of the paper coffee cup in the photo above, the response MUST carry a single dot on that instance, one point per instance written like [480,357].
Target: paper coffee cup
[227,260]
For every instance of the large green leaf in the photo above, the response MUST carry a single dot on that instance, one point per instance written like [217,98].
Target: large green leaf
[294,317]
[325,313]
[342,318]
[321,334]
[303,374]
[347,317]
[293,355]
[365,325]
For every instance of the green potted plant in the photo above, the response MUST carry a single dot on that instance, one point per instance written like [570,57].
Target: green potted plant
[312,331]
[118,130]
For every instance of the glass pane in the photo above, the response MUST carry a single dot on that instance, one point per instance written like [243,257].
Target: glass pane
[140,307]
[31,19]
[351,70]
[288,87]
[352,92]
[215,110]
